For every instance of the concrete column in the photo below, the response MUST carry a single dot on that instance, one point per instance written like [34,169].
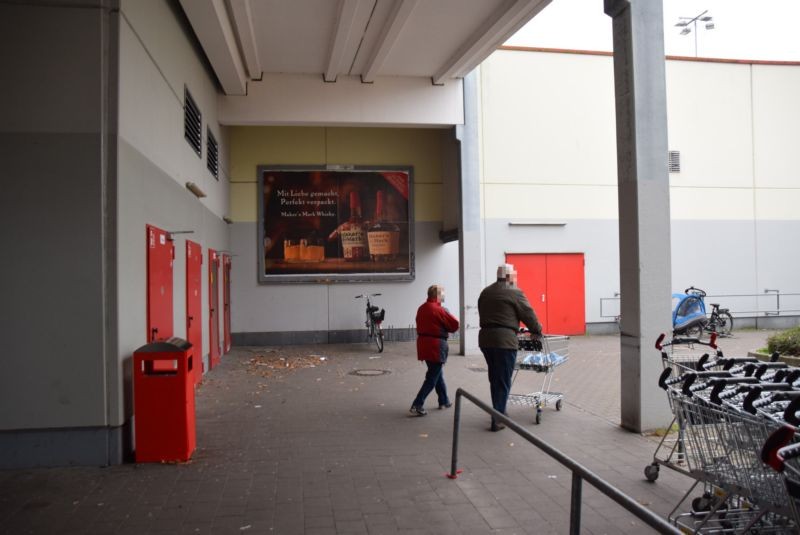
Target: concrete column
[644,218]
[469,228]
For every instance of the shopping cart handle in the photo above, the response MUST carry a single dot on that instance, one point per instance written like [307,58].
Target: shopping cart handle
[790,414]
[775,443]
[701,362]
[762,368]
[662,379]
[729,362]
[718,385]
[791,451]
[792,376]
[659,340]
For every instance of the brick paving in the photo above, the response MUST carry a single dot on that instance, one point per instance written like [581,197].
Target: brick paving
[318,450]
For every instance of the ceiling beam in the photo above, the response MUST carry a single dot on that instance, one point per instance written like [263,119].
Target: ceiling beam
[344,25]
[498,28]
[243,22]
[401,12]
[213,28]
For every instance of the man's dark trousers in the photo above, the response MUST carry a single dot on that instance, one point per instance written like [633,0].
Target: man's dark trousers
[501,367]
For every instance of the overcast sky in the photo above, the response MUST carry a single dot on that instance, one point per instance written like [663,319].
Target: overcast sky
[744,29]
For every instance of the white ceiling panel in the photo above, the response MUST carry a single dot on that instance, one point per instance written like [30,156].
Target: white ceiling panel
[437,39]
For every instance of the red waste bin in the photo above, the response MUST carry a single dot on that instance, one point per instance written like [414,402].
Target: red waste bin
[163,401]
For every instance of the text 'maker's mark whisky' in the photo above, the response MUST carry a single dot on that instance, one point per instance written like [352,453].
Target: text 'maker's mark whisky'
[352,232]
[383,237]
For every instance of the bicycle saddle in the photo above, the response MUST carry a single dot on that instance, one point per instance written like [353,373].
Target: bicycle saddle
[715,304]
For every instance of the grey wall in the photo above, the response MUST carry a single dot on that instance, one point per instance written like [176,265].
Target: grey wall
[149,196]
[271,310]
[734,260]
[56,143]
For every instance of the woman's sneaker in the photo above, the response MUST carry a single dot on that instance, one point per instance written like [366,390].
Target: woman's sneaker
[417,411]
[445,405]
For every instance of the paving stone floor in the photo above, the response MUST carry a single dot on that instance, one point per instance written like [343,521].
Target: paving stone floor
[319,450]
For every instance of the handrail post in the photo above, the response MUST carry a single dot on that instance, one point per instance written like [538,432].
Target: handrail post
[575,505]
[456,428]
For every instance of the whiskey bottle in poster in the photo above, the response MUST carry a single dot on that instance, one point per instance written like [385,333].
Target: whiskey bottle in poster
[354,238]
[383,237]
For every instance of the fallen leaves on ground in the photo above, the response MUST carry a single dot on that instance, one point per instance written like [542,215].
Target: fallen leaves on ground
[275,364]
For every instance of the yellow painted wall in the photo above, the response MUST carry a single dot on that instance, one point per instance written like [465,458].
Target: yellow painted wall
[251,146]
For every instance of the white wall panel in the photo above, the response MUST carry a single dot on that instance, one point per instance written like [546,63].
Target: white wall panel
[711,203]
[709,112]
[776,125]
[536,201]
[548,118]
[778,204]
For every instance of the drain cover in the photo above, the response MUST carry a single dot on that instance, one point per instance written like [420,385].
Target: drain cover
[370,373]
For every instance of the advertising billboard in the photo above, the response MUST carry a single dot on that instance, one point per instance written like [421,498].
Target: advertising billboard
[343,223]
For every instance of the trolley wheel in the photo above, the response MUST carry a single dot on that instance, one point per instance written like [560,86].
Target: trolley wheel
[538,419]
[700,504]
[651,471]
[558,405]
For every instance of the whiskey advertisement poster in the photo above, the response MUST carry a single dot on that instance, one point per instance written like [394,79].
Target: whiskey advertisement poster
[345,224]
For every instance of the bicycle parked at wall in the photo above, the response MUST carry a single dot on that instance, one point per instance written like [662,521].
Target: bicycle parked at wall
[689,316]
[373,321]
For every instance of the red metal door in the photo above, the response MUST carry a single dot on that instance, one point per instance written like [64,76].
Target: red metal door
[226,302]
[213,308]
[566,304]
[194,307]
[532,280]
[554,284]
[160,254]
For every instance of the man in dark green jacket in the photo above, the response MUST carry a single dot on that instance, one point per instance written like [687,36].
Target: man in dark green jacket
[502,306]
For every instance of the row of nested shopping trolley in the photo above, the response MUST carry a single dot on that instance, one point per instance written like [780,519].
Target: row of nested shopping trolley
[735,435]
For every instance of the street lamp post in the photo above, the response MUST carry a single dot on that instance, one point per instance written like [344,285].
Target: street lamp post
[685,23]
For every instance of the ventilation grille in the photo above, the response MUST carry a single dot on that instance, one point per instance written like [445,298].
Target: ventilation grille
[192,121]
[674,161]
[212,154]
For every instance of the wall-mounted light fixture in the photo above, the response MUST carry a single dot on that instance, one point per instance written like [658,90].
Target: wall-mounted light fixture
[194,188]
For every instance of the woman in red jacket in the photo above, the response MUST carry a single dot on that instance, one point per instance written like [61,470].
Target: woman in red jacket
[434,323]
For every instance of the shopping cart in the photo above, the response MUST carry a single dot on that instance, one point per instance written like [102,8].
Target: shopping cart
[681,354]
[723,449]
[553,353]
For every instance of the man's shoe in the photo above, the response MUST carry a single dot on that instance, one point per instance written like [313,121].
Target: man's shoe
[445,405]
[497,427]
[417,411]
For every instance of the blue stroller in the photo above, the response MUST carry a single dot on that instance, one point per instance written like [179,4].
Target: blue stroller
[689,312]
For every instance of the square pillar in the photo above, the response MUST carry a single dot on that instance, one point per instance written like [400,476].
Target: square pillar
[644,216]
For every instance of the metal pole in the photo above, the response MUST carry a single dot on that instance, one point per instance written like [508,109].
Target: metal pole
[575,505]
[456,428]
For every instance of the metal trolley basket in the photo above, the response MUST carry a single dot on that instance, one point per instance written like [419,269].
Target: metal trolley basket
[553,353]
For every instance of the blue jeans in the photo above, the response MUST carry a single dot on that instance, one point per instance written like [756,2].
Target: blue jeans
[501,368]
[434,378]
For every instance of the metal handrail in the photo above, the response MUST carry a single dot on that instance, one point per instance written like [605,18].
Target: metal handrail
[776,294]
[579,472]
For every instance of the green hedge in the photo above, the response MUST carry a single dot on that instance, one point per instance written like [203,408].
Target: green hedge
[785,342]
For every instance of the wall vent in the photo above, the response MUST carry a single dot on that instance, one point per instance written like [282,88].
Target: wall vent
[212,154]
[192,122]
[674,161]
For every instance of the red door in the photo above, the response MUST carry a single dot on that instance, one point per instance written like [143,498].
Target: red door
[226,302]
[554,284]
[160,254]
[213,308]
[194,307]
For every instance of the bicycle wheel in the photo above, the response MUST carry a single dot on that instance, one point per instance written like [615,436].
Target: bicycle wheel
[695,331]
[378,338]
[725,323]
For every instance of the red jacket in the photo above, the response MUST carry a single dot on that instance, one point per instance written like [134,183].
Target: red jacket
[433,324]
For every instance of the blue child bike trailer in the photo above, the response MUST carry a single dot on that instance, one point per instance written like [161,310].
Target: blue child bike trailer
[689,311]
